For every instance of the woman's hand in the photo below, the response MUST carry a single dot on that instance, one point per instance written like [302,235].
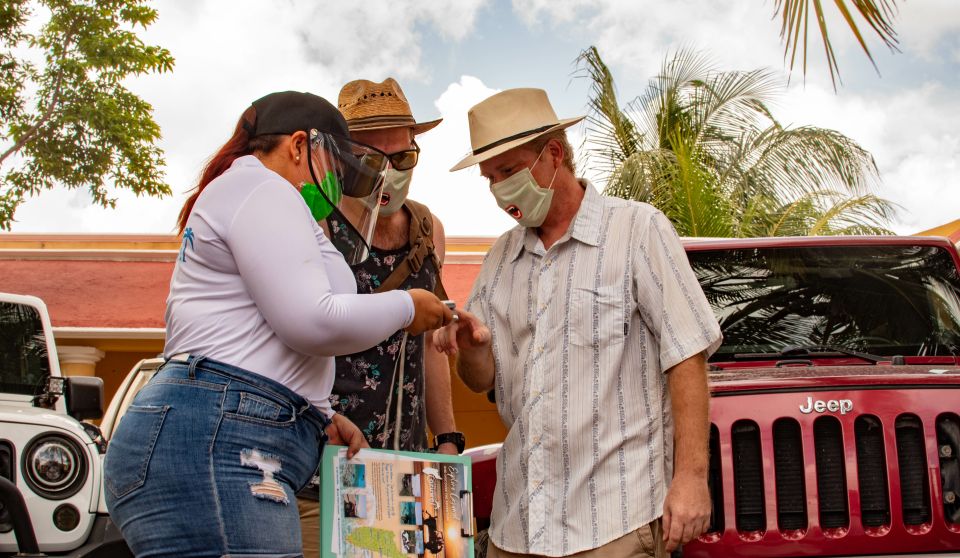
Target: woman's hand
[429,312]
[342,432]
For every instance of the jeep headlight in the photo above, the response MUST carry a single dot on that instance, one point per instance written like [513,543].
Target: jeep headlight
[54,466]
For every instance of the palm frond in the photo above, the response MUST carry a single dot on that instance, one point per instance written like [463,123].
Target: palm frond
[696,207]
[878,14]
[789,162]
[853,215]
[610,129]
[704,147]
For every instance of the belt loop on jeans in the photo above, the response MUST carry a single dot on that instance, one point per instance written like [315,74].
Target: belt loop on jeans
[191,371]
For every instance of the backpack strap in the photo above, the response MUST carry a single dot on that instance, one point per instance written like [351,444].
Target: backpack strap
[421,247]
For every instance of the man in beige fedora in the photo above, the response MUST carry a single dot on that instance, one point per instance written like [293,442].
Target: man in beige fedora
[590,326]
[398,388]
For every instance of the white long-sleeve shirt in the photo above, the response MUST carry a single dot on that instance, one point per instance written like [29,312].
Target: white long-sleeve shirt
[258,285]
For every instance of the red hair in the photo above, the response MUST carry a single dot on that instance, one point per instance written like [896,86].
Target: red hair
[239,144]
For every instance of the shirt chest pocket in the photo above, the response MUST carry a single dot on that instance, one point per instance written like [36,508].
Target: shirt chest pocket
[598,316]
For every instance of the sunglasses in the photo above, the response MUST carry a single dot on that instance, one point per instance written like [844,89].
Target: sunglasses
[400,160]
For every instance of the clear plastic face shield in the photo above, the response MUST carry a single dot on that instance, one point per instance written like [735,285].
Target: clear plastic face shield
[345,174]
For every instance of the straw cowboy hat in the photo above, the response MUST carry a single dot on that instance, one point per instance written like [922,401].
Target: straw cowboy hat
[375,106]
[508,119]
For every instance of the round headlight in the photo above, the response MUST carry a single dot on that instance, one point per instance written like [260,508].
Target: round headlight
[54,466]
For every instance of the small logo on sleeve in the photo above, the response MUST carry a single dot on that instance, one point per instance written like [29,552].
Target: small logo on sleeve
[187,237]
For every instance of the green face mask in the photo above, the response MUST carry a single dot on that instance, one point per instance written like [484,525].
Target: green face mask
[320,206]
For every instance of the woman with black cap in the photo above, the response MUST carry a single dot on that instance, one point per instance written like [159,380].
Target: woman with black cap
[208,458]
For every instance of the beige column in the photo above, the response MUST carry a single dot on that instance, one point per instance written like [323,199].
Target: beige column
[79,361]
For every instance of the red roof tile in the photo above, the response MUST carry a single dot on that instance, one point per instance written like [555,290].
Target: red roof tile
[105,294]
[130,294]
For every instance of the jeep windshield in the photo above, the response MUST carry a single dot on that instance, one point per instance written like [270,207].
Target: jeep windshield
[896,299]
[23,349]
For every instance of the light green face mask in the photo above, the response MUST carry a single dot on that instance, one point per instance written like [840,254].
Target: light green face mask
[522,198]
[396,186]
[320,206]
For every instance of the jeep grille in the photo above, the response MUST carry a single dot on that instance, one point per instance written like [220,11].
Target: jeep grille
[948,449]
[6,471]
[859,484]
[831,473]
[872,469]
[914,490]
[788,466]
[828,441]
[6,461]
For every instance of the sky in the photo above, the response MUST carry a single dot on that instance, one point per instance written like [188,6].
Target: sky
[449,55]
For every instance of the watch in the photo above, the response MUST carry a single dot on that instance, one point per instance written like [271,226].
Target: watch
[455,438]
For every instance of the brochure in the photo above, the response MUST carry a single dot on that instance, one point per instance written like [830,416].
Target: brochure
[395,504]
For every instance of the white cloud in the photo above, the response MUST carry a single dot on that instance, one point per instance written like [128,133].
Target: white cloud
[921,26]
[225,59]
[229,55]
[635,36]
[65,211]
[914,135]
[912,131]
[376,39]
[462,199]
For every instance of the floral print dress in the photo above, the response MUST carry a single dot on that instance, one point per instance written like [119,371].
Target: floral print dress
[361,390]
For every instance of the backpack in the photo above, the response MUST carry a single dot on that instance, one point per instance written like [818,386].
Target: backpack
[421,247]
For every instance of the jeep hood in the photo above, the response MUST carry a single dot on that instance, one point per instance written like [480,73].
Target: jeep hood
[42,417]
[862,376]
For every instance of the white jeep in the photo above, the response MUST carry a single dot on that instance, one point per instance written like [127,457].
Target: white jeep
[51,462]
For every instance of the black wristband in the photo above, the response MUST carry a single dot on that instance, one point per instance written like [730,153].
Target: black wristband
[455,438]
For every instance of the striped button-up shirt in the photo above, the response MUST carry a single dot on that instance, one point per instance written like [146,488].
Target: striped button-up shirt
[582,335]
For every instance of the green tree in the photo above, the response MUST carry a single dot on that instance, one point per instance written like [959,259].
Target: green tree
[795,24]
[703,147]
[65,116]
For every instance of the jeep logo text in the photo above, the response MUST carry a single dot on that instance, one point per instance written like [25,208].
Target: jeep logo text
[832,405]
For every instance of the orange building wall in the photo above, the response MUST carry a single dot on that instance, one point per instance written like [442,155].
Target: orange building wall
[119,289]
[475,415]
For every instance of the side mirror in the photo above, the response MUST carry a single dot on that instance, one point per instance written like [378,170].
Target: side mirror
[84,397]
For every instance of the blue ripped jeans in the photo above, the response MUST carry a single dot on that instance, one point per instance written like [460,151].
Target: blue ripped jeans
[207,462]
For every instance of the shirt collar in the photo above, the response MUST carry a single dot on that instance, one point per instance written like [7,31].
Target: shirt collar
[518,238]
[585,226]
[246,161]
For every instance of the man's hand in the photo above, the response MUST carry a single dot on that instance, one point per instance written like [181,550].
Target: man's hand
[447,448]
[686,511]
[342,432]
[471,341]
[465,332]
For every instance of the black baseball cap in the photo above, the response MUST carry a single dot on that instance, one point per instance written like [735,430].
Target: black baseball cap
[286,112]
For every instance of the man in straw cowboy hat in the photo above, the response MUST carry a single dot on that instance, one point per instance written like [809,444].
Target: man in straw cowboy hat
[589,324]
[394,390]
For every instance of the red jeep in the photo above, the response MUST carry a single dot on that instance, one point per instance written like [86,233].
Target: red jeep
[835,418]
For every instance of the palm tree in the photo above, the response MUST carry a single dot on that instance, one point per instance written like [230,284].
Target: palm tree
[795,16]
[703,147]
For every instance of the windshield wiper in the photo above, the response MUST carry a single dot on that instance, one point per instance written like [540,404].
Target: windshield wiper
[806,351]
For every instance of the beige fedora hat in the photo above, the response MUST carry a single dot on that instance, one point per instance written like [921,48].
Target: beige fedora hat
[508,119]
[367,105]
